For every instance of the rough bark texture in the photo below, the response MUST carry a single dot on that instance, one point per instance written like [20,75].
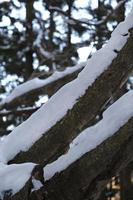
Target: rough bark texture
[86,178]
[27,192]
[56,140]
[29,33]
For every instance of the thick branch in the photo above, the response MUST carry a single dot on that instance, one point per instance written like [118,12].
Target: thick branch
[53,143]
[86,178]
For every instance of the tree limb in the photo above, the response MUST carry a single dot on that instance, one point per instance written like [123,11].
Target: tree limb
[83,112]
[85,178]
[49,87]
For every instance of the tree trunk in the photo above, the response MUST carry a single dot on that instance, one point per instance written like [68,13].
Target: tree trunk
[29,34]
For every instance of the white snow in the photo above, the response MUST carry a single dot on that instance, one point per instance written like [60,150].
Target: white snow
[36,184]
[36,83]
[42,120]
[113,118]
[13,177]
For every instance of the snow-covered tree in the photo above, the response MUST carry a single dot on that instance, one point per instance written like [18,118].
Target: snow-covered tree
[82,136]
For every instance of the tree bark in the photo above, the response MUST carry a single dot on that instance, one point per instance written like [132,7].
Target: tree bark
[83,112]
[29,33]
[86,178]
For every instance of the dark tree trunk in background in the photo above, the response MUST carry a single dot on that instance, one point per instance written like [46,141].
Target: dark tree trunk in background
[51,30]
[120,12]
[29,35]
[69,49]
[50,46]
[70,3]
[100,28]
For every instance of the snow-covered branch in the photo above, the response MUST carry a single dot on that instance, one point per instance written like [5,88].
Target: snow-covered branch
[62,143]
[90,138]
[90,174]
[91,155]
[75,105]
[38,86]
[13,178]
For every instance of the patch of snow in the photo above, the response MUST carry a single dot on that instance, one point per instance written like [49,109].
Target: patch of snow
[13,177]
[42,120]
[36,184]
[113,118]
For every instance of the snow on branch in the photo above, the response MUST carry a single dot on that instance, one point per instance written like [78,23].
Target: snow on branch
[88,176]
[74,96]
[37,83]
[13,177]
[97,144]
[116,116]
